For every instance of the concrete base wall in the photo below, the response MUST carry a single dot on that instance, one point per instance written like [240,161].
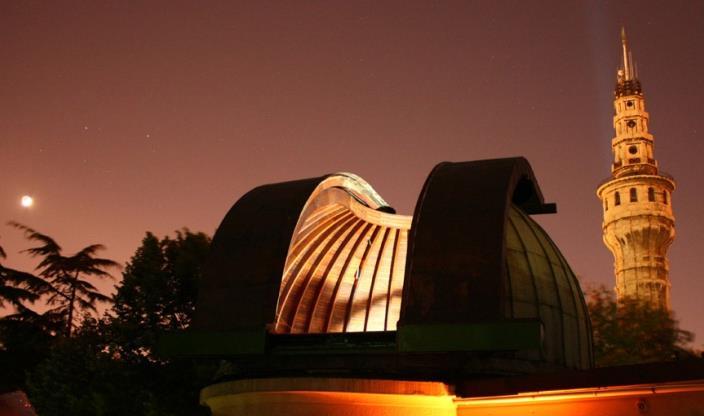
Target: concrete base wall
[363,397]
[321,396]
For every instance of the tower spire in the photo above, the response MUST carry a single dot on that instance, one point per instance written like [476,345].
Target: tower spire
[626,77]
[627,70]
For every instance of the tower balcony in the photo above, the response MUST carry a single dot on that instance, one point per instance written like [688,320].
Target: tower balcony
[660,173]
[635,166]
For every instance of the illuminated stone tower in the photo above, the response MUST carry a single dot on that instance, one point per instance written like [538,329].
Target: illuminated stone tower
[637,199]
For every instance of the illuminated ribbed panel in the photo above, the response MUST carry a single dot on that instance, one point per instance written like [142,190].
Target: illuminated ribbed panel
[345,266]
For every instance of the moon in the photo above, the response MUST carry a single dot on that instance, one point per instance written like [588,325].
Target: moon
[26,201]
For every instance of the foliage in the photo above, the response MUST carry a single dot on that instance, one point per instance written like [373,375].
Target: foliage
[631,331]
[25,341]
[25,336]
[66,382]
[17,287]
[158,291]
[70,292]
[108,367]
[157,295]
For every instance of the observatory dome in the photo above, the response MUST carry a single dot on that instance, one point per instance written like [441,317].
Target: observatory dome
[325,266]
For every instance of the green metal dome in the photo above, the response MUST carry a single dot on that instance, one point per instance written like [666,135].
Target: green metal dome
[541,285]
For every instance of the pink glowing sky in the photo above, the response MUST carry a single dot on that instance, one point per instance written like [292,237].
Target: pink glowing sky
[123,117]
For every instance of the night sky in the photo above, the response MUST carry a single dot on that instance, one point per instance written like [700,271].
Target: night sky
[133,116]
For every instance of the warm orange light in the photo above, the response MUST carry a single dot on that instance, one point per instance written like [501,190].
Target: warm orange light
[588,393]
[344,270]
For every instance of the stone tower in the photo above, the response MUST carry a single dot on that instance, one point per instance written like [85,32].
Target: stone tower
[637,199]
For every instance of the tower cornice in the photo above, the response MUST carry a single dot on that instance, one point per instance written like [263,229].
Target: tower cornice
[611,182]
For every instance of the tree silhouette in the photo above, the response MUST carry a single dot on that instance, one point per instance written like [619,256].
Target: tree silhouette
[17,287]
[109,366]
[24,334]
[629,331]
[71,293]
[158,291]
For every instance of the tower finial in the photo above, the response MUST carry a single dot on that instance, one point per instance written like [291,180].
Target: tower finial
[627,70]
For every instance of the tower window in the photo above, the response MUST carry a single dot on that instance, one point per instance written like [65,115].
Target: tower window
[629,103]
[631,123]
[634,195]
[633,150]
[651,194]
[617,199]
[664,197]
[606,204]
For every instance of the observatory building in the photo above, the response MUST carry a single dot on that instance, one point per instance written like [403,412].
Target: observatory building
[318,299]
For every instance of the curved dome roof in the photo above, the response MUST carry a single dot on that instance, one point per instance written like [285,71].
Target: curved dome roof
[327,255]
[540,284]
[345,269]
